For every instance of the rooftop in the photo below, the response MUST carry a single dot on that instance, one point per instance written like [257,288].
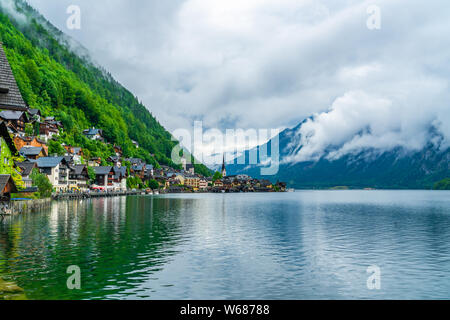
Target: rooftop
[49,162]
[4,180]
[102,170]
[134,160]
[34,112]
[92,132]
[10,97]
[30,151]
[114,158]
[118,172]
[11,115]
[137,168]
[78,169]
[26,167]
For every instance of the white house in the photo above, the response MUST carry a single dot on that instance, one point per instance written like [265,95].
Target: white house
[57,171]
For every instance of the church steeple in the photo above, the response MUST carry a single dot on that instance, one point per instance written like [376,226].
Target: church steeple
[224,170]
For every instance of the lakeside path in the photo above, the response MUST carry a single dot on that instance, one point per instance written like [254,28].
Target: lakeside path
[63,196]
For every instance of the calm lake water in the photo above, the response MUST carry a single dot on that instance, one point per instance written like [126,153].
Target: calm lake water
[302,245]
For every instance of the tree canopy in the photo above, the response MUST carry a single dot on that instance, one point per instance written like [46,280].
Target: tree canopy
[55,80]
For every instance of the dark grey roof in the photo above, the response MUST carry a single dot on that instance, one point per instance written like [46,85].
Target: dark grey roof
[13,97]
[49,162]
[52,121]
[76,150]
[134,161]
[4,179]
[68,158]
[34,112]
[121,169]
[118,172]
[26,167]
[30,151]
[114,158]
[78,169]
[137,168]
[92,132]
[171,174]
[102,170]
[11,115]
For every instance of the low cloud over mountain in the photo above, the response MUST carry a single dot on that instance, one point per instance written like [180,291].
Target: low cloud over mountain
[273,63]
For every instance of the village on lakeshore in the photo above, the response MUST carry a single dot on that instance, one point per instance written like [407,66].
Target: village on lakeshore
[25,164]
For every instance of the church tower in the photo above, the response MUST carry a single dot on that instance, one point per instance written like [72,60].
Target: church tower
[224,170]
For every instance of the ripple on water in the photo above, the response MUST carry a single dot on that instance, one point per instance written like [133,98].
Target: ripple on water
[303,245]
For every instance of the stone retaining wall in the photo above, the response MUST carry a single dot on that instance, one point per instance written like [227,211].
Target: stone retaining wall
[30,206]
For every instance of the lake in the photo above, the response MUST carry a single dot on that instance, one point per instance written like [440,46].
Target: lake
[301,245]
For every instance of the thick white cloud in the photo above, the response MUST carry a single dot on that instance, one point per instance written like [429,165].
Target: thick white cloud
[10,7]
[357,121]
[272,63]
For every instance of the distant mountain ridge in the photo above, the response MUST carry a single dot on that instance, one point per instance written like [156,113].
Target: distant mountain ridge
[370,168]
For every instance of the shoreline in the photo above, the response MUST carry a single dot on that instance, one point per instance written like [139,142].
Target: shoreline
[34,205]
[89,195]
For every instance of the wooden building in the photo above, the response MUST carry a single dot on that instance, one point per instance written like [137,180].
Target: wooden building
[33,153]
[22,141]
[7,186]
[15,120]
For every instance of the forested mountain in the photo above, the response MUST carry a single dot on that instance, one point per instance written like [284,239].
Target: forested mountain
[398,168]
[67,85]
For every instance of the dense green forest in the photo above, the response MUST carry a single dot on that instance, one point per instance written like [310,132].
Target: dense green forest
[443,185]
[60,83]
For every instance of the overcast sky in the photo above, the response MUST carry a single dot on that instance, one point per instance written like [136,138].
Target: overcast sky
[272,63]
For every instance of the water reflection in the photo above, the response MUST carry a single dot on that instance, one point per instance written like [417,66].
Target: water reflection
[300,245]
[110,239]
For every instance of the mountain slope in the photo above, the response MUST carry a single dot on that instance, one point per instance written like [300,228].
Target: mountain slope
[65,84]
[369,168]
